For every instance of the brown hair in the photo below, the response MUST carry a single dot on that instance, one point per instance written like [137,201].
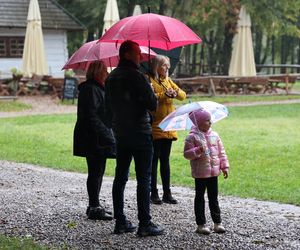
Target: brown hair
[93,69]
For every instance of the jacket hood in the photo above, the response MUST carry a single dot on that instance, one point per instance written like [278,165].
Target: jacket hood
[199,116]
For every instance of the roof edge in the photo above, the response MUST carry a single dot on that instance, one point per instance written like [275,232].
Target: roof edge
[69,14]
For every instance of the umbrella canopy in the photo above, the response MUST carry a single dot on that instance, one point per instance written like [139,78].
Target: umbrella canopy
[179,119]
[34,60]
[111,15]
[242,58]
[151,30]
[94,50]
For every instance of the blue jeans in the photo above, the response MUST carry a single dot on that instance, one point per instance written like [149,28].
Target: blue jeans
[139,147]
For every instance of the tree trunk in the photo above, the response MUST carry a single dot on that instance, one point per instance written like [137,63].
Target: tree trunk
[130,7]
[194,59]
[298,70]
[227,48]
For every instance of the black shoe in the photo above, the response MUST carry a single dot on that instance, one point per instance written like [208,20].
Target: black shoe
[155,198]
[150,230]
[106,211]
[98,213]
[127,227]
[168,198]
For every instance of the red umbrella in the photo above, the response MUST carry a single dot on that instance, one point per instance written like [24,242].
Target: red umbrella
[151,30]
[94,50]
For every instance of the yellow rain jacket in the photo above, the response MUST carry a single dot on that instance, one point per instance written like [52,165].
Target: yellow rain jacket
[165,106]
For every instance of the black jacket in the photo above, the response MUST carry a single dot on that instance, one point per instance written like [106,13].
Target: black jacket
[129,98]
[91,136]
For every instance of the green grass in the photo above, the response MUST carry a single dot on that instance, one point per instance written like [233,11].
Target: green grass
[9,105]
[262,143]
[12,243]
[238,98]
[296,86]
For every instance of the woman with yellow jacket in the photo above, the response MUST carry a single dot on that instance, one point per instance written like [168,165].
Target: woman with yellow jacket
[166,90]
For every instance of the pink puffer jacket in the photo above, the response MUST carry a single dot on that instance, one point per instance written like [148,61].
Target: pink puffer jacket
[210,162]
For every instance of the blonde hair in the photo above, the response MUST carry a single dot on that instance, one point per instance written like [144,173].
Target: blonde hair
[94,68]
[157,62]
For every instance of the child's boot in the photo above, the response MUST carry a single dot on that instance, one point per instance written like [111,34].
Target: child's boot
[219,228]
[203,229]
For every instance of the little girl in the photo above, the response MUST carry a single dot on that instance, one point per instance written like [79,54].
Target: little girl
[204,148]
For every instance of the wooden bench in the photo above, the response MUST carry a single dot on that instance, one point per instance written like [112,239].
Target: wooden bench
[257,84]
[220,85]
[285,82]
[194,85]
[56,87]
[4,87]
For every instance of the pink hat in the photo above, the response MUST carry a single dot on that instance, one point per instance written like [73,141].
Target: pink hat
[199,116]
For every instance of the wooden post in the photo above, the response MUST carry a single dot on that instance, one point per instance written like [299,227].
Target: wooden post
[212,87]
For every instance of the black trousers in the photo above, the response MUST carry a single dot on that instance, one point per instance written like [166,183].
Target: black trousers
[211,184]
[162,150]
[96,168]
[139,148]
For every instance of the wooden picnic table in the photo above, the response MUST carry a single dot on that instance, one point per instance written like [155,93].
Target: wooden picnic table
[196,84]
[284,82]
[56,85]
[4,88]
[237,84]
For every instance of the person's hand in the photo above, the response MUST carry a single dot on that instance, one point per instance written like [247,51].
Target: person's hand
[199,150]
[225,174]
[175,93]
[171,93]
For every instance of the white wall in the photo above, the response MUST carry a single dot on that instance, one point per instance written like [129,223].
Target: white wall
[55,42]
[56,51]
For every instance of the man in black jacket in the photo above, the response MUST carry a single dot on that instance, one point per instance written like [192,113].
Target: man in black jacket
[129,98]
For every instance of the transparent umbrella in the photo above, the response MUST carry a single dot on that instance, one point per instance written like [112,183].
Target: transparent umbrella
[179,119]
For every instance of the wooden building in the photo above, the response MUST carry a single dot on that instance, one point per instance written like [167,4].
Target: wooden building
[56,21]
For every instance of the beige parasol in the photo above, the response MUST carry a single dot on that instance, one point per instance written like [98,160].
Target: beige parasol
[111,15]
[137,10]
[242,58]
[34,61]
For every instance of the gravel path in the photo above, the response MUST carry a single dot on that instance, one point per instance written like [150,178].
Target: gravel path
[41,105]
[47,105]
[49,205]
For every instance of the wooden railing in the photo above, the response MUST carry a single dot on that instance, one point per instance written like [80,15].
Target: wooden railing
[213,85]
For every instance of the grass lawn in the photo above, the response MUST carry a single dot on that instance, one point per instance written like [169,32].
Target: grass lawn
[9,105]
[262,143]
[238,98]
[12,243]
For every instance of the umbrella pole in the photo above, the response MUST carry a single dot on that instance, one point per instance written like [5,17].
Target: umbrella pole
[149,65]
[149,56]
[110,64]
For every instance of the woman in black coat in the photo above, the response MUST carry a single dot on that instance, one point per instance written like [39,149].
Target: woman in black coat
[92,139]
